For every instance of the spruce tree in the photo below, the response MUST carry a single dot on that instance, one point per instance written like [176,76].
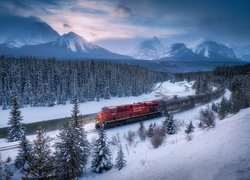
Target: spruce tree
[75,111]
[72,152]
[16,129]
[169,125]
[120,159]
[190,128]
[7,173]
[101,155]
[24,154]
[40,166]
[224,108]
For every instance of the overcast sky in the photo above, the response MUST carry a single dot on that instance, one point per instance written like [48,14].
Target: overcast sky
[129,21]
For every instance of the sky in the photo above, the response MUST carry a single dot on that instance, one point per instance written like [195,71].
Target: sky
[120,24]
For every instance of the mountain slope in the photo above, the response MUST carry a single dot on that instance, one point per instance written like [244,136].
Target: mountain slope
[214,50]
[17,31]
[148,50]
[67,46]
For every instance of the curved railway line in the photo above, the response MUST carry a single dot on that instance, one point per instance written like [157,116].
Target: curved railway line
[172,105]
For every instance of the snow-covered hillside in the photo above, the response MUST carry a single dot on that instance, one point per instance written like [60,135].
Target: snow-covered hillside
[218,153]
[35,114]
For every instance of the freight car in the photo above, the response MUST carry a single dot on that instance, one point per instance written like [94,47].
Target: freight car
[118,115]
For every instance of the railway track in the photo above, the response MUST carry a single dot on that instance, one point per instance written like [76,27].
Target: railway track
[16,145]
[58,123]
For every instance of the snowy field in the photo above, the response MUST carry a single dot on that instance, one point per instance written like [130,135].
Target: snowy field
[36,114]
[221,153]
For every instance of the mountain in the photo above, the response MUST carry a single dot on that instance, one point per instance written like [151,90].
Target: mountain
[67,46]
[148,50]
[242,52]
[179,51]
[214,50]
[17,31]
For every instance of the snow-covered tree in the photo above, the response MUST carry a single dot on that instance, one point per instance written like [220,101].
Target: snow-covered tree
[120,159]
[75,111]
[169,125]
[7,173]
[24,154]
[101,155]
[189,128]
[224,108]
[16,129]
[40,166]
[72,152]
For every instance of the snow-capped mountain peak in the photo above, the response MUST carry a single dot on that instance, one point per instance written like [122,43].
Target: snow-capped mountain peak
[148,49]
[215,50]
[74,42]
[178,50]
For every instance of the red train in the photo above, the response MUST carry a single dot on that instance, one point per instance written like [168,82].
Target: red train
[118,115]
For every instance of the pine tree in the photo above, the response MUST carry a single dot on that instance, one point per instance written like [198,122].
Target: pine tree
[24,154]
[190,128]
[40,166]
[169,125]
[101,156]
[75,111]
[7,174]
[72,152]
[120,159]
[16,129]
[224,108]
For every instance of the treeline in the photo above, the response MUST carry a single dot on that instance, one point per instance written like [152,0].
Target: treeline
[49,82]
[235,78]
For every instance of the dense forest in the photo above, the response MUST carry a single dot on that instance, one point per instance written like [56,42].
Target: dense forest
[235,78]
[49,82]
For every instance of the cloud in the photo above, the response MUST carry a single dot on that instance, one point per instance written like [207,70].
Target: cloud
[123,11]
[224,20]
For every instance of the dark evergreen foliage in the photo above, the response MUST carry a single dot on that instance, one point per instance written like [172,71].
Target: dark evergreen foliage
[72,152]
[101,154]
[40,166]
[120,159]
[169,125]
[16,129]
[189,128]
[75,111]
[48,82]
[224,108]
[7,173]
[24,155]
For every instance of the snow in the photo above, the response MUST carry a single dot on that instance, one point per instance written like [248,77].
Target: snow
[217,153]
[36,114]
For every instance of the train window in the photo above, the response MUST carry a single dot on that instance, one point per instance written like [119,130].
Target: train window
[113,110]
[105,110]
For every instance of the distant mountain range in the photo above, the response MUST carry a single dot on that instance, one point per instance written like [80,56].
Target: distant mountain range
[67,46]
[207,50]
[30,36]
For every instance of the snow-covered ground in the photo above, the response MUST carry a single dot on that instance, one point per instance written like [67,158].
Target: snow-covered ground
[221,153]
[36,114]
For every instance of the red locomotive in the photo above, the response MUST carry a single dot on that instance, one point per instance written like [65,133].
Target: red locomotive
[118,115]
